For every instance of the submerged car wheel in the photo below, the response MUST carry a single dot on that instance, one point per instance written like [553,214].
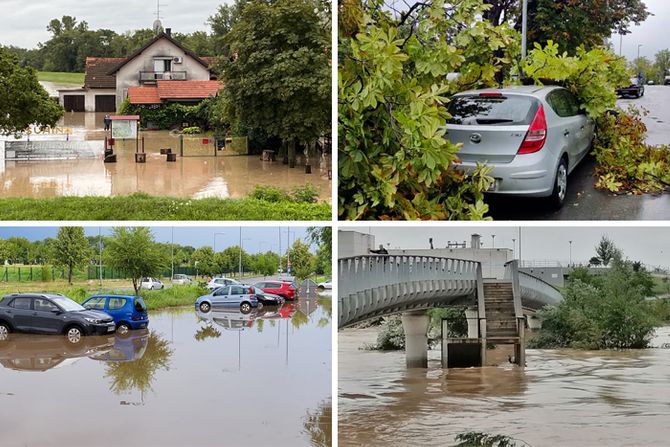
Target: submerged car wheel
[560,184]
[123,328]
[205,307]
[74,334]
[245,308]
[4,332]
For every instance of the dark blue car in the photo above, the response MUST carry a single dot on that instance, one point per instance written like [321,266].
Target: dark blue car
[129,312]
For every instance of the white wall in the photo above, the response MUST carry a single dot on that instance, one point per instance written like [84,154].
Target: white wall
[129,74]
[353,243]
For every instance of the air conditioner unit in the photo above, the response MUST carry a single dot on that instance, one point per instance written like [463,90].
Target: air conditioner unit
[177,60]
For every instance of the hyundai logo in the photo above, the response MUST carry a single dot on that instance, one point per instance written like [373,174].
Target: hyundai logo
[476,138]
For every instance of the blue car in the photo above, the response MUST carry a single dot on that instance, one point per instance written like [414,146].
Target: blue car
[129,312]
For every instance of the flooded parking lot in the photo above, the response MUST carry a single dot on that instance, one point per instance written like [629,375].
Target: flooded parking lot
[563,397]
[222,378]
[197,177]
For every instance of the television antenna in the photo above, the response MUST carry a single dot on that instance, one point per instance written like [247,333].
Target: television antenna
[158,25]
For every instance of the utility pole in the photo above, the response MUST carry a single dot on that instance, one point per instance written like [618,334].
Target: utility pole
[240,252]
[524,29]
[279,252]
[172,254]
[100,248]
[570,265]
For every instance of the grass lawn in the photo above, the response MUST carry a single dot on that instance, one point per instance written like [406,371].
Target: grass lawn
[61,78]
[145,207]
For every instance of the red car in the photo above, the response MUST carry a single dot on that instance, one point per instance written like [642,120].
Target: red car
[285,289]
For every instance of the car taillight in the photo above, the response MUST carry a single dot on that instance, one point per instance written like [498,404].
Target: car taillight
[536,135]
[490,95]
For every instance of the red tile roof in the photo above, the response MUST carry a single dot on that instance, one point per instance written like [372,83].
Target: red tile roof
[170,90]
[188,89]
[144,95]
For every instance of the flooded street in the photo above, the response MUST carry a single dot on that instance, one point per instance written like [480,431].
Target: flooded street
[563,397]
[222,378]
[197,176]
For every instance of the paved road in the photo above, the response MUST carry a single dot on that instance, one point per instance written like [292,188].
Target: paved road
[584,202]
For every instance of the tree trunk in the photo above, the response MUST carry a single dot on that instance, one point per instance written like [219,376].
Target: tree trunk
[291,154]
[69,274]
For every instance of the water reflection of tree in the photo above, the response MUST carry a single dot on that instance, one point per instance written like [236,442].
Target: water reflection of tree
[259,325]
[299,318]
[319,424]
[326,304]
[139,374]
[206,332]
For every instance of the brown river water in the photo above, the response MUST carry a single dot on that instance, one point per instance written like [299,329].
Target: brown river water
[193,379]
[196,176]
[562,397]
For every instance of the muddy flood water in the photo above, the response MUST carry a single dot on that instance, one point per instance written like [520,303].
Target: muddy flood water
[193,379]
[198,176]
[562,398]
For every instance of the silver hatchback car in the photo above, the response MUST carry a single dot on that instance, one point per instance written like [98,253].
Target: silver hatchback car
[531,136]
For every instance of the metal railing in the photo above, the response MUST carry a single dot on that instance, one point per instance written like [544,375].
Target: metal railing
[153,76]
[375,285]
[535,292]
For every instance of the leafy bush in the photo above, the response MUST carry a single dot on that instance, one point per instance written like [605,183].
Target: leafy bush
[305,194]
[166,116]
[592,76]
[394,159]
[192,130]
[626,163]
[607,313]
[46,273]
[476,438]
[269,194]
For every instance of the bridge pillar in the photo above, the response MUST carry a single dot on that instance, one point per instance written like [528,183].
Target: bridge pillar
[415,325]
[472,316]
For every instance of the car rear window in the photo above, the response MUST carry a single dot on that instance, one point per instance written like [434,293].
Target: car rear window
[21,303]
[139,305]
[476,110]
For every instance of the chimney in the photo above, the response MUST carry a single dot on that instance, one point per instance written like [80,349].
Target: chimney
[168,31]
[475,241]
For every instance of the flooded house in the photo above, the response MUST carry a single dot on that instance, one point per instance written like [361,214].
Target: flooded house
[161,71]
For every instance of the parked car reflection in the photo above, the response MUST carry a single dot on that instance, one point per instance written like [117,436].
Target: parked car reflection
[126,348]
[23,352]
[232,319]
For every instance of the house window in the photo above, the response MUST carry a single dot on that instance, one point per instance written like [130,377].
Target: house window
[162,65]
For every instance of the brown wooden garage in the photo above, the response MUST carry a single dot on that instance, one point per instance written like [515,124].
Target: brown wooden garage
[105,103]
[73,103]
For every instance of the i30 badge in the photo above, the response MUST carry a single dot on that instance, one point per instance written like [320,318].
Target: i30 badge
[476,138]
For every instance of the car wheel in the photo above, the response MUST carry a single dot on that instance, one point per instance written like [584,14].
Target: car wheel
[560,184]
[123,328]
[4,331]
[205,307]
[245,308]
[74,334]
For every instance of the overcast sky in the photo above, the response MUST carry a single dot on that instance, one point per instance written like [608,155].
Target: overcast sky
[23,22]
[261,239]
[652,33]
[649,244]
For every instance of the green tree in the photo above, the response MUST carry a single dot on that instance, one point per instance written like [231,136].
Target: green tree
[322,238]
[134,252]
[203,260]
[278,79]
[607,251]
[662,65]
[70,249]
[302,261]
[394,159]
[581,23]
[23,101]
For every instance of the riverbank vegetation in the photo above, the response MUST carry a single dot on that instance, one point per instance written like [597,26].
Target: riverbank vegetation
[142,206]
[608,310]
[482,439]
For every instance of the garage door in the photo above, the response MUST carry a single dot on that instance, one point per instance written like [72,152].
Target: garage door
[105,103]
[73,103]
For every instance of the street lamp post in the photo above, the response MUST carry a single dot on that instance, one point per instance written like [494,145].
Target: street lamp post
[570,264]
[514,247]
[638,50]
[493,239]
[288,246]
[241,242]
[524,29]
[214,245]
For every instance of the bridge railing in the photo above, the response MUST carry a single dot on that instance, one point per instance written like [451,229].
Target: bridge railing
[371,271]
[533,289]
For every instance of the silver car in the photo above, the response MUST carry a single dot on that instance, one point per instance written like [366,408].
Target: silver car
[531,136]
[242,297]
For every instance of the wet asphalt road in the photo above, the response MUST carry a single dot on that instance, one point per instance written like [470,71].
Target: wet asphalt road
[584,202]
